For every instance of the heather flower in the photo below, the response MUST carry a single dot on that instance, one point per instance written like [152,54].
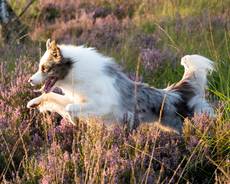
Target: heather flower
[46,180]
[3,122]
[201,122]
[101,12]
[152,59]
[120,12]
[64,133]
[52,10]
[37,140]
[145,41]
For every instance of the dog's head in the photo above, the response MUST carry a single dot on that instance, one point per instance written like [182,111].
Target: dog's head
[52,67]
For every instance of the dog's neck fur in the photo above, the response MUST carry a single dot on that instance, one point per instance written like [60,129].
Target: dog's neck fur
[87,73]
[94,76]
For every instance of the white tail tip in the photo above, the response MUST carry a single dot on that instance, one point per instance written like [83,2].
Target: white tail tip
[197,63]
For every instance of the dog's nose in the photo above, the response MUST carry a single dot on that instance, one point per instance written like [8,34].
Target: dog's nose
[31,81]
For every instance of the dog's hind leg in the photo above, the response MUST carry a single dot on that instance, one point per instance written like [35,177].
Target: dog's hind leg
[81,109]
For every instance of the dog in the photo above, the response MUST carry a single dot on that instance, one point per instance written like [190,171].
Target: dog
[95,86]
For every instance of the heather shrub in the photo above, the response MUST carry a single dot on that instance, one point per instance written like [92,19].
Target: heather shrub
[50,10]
[41,148]
[147,38]
[112,155]
[208,147]
[48,150]
[14,117]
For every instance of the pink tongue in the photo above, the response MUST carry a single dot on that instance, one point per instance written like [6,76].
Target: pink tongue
[49,84]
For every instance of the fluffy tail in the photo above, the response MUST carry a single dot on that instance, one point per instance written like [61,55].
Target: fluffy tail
[196,69]
[192,86]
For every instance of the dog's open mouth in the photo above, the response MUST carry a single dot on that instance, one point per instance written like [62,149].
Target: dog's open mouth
[49,83]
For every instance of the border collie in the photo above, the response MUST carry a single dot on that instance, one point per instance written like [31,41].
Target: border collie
[95,86]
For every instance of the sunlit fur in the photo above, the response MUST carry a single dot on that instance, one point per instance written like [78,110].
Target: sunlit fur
[96,86]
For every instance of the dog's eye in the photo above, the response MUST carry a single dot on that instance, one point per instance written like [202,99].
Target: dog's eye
[43,69]
[54,54]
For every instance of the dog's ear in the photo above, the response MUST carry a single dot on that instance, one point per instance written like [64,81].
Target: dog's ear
[53,45]
[55,51]
[48,44]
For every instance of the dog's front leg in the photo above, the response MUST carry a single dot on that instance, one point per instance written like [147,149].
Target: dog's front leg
[35,102]
[52,102]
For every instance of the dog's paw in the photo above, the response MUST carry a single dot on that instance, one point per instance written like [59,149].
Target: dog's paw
[33,103]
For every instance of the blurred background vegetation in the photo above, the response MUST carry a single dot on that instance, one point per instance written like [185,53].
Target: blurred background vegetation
[153,33]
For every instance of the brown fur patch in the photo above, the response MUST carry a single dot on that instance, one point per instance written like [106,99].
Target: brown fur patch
[185,88]
[186,91]
[56,65]
[55,52]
